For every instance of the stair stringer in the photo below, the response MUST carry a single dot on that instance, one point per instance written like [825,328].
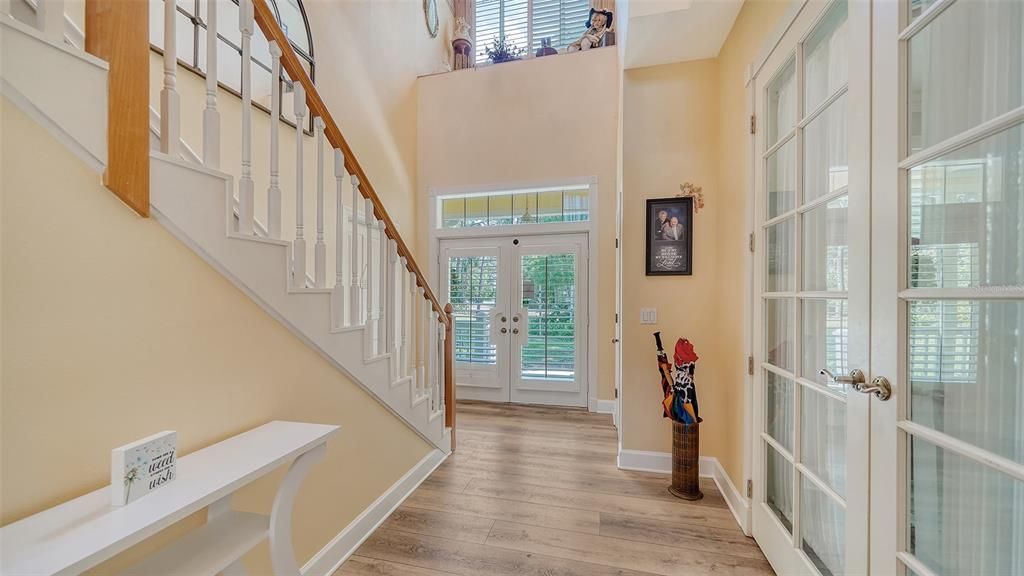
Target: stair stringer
[193,203]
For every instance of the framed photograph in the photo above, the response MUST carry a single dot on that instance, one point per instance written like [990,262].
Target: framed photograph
[669,237]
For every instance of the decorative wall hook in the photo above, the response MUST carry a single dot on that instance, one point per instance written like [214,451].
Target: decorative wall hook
[688,189]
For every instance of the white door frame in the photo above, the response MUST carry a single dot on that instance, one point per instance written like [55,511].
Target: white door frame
[590,228]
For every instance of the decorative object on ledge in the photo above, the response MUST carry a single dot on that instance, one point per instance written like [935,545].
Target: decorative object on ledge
[138,468]
[688,190]
[669,239]
[680,404]
[598,27]
[462,45]
[503,50]
[430,13]
[545,48]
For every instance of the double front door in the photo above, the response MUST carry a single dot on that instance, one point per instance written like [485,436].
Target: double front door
[889,290]
[520,310]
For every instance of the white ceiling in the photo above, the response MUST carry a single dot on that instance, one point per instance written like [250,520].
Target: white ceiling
[667,31]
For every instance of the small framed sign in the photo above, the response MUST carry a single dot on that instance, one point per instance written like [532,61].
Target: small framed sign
[669,237]
[138,468]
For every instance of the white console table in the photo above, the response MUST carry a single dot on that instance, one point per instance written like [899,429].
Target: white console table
[79,534]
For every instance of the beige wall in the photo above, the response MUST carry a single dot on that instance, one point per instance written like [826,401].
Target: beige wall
[112,329]
[532,121]
[670,137]
[688,122]
[754,24]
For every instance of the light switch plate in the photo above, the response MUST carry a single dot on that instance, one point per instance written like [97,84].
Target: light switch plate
[648,315]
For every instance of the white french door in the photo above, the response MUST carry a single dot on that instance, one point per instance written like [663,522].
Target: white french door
[811,285]
[520,310]
[947,455]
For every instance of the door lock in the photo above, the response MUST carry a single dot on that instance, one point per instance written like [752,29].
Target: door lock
[515,318]
[515,330]
[504,330]
[879,386]
[504,318]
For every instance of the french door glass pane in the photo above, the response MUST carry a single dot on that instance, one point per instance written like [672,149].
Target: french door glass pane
[549,297]
[967,215]
[779,332]
[825,58]
[823,438]
[473,289]
[825,339]
[782,179]
[965,67]
[822,529]
[967,372]
[779,403]
[826,248]
[917,7]
[781,112]
[779,486]
[826,169]
[779,255]
[964,518]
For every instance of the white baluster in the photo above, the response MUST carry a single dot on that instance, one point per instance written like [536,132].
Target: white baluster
[391,306]
[320,248]
[246,199]
[440,367]
[382,290]
[299,245]
[170,103]
[370,221]
[409,329]
[274,190]
[338,303]
[421,342]
[211,117]
[431,356]
[402,312]
[50,19]
[355,316]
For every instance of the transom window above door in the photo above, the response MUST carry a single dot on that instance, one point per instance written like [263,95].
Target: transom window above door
[512,208]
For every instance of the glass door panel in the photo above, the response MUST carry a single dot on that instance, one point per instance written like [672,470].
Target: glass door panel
[549,325]
[807,440]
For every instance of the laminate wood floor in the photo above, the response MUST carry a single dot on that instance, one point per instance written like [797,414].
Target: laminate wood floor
[535,491]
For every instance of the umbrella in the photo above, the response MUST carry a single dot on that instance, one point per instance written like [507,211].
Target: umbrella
[665,368]
[684,403]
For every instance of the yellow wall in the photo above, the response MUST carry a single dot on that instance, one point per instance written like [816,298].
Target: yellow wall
[670,136]
[112,330]
[688,122]
[530,122]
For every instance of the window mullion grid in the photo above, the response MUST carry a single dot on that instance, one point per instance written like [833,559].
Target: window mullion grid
[797,252]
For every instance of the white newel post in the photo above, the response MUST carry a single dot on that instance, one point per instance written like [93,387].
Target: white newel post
[354,269]
[246,200]
[50,19]
[299,244]
[274,190]
[320,248]
[382,291]
[370,220]
[170,103]
[421,341]
[338,303]
[211,117]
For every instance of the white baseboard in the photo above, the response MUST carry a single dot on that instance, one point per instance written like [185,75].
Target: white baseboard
[710,467]
[605,407]
[332,556]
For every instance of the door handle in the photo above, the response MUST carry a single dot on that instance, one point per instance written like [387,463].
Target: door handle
[515,330]
[504,330]
[879,386]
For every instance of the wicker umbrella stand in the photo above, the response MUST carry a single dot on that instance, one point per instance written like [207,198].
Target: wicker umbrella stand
[685,461]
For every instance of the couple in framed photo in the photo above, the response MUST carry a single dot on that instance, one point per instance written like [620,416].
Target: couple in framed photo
[669,237]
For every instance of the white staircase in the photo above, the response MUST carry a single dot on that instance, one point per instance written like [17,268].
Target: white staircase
[375,319]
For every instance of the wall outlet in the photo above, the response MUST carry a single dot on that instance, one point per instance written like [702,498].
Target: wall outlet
[648,315]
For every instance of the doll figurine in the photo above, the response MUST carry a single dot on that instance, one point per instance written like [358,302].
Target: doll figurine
[597,25]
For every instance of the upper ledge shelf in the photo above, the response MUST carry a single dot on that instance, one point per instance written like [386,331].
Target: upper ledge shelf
[531,58]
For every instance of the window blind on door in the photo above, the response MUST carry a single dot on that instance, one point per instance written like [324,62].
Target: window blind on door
[473,288]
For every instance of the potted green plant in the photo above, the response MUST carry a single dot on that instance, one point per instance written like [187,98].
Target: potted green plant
[503,50]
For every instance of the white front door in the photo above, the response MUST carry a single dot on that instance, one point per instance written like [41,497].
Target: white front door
[812,307]
[947,454]
[520,309]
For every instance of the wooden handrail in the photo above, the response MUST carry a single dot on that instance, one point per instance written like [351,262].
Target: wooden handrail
[290,62]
